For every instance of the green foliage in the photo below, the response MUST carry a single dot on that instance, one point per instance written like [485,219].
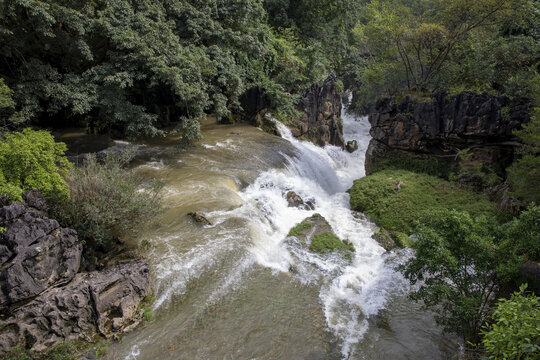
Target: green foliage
[524,174]
[298,230]
[453,267]
[521,235]
[483,46]
[441,167]
[60,351]
[326,242]
[33,160]
[515,331]
[107,201]
[397,208]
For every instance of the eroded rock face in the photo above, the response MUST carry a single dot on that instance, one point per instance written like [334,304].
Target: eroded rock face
[35,252]
[352,146]
[103,303]
[321,108]
[443,126]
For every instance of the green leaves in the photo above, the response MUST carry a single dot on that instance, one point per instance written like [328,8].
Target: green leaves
[515,331]
[32,160]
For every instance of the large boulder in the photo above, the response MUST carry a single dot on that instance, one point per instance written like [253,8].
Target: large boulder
[441,127]
[97,303]
[321,114]
[35,252]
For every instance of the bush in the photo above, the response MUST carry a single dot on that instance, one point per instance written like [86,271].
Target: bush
[107,201]
[515,332]
[454,267]
[33,160]
[396,199]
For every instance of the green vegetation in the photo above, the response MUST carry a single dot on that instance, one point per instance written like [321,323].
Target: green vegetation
[326,242]
[107,201]
[59,351]
[418,47]
[515,332]
[33,160]
[442,167]
[395,200]
[524,175]
[461,262]
[298,230]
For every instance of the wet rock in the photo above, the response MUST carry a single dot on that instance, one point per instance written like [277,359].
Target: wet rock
[385,239]
[294,200]
[199,218]
[269,126]
[35,252]
[104,303]
[352,146]
[321,109]
[441,127]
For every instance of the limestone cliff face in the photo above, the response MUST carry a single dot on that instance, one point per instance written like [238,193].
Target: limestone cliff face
[319,106]
[321,111]
[444,125]
[43,298]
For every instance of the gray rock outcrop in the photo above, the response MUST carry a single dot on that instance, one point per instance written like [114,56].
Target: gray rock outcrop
[443,126]
[321,112]
[103,303]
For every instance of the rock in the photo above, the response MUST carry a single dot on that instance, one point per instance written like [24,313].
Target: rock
[397,185]
[501,194]
[321,108]
[199,218]
[35,252]
[269,126]
[440,128]
[294,200]
[93,303]
[385,239]
[530,271]
[352,146]
[255,104]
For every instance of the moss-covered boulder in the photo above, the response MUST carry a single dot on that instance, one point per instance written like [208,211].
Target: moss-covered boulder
[395,199]
[315,233]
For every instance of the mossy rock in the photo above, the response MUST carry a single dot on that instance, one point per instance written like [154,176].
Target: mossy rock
[392,239]
[396,199]
[316,232]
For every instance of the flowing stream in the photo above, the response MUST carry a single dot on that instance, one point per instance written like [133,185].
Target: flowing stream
[240,288]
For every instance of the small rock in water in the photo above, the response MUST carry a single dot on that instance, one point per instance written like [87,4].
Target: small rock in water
[294,200]
[199,218]
[352,146]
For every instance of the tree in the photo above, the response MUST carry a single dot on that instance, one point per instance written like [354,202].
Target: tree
[454,269]
[33,160]
[515,331]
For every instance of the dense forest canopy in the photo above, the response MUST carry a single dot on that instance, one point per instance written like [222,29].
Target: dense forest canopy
[134,66]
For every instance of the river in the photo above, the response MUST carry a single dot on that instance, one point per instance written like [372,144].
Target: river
[240,288]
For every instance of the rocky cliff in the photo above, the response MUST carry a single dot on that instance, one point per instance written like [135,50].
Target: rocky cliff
[441,127]
[42,297]
[319,106]
[321,114]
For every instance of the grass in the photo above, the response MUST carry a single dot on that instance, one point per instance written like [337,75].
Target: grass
[326,242]
[298,230]
[394,209]
[441,167]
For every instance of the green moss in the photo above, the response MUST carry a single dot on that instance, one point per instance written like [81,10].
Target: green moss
[441,167]
[397,208]
[326,242]
[298,230]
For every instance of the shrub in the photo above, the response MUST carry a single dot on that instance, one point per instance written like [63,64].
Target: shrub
[515,332]
[396,199]
[454,267]
[33,160]
[107,201]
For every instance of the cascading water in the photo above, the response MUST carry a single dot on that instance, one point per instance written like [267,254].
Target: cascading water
[223,267]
